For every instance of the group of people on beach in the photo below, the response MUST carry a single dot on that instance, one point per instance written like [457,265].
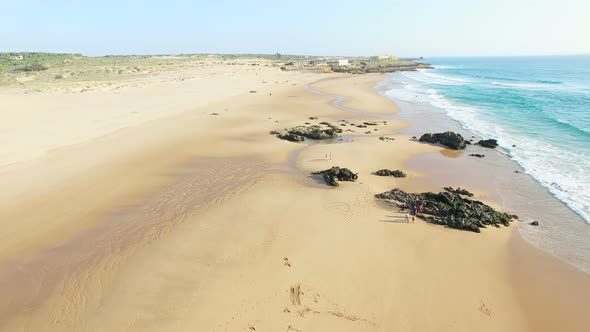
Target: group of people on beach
[415,210]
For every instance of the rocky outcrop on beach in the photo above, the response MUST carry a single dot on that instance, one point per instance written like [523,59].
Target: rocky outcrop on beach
[317,132]
[477,155]
[388,172]
[488,143]
[380,67]
[458,191]
[449,139]
[449,209]
[291,137]
[336,173]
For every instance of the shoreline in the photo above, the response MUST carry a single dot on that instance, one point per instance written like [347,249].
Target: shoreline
[165,262]
[517,191]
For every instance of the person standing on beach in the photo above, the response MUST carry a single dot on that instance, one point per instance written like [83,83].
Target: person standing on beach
[407,217]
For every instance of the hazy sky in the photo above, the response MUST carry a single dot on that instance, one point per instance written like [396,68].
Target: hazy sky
[345,27]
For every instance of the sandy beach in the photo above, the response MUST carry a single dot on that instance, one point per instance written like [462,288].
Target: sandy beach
[161,203]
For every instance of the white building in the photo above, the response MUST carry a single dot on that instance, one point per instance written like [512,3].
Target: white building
[16,57]
[338,62]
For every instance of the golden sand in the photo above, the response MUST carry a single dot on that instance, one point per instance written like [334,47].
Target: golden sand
[200,222]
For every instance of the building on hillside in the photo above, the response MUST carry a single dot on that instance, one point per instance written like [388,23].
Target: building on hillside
[338,62]
[385,57]
[16,57]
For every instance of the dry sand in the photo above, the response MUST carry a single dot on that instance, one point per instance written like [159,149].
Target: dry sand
[200,222]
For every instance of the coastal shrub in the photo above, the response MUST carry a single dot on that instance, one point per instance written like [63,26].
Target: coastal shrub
[31,67]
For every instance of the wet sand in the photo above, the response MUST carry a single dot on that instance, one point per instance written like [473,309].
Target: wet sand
[206,222]
[561,233]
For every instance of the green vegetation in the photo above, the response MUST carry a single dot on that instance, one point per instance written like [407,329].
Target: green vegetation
[32,67]
[74,71]
[31,61]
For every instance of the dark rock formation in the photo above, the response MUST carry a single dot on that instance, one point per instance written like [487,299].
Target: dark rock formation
[299,133]
[383,138]
[477,155]
[386,67]
[449,209]
[370,123]
[488,143]
[388,172]
[458,191]
[534,223]
[337,173]
[291,137]
[450,139]
[313,117]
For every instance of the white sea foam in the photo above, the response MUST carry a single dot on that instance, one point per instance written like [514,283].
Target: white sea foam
[523,85]
[409,93]
[422,75]
[446,77]
[564,173]
[446,67]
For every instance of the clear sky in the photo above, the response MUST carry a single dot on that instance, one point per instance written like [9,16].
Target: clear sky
[345,27]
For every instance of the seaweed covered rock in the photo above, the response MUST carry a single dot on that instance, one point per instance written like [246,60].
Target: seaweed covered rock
[488,143]
[458,191]
[449,138]
[449,209]
[300,133]
[291,137]
[314,132]
[337,173]
[388,172]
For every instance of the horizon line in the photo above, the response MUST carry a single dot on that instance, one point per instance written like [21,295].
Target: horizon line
[305,55]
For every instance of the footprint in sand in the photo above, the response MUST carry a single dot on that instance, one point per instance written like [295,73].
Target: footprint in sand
[296,293]
[286,262]
[483,308]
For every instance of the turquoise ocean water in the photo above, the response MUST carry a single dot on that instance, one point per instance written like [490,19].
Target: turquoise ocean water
[538,108]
